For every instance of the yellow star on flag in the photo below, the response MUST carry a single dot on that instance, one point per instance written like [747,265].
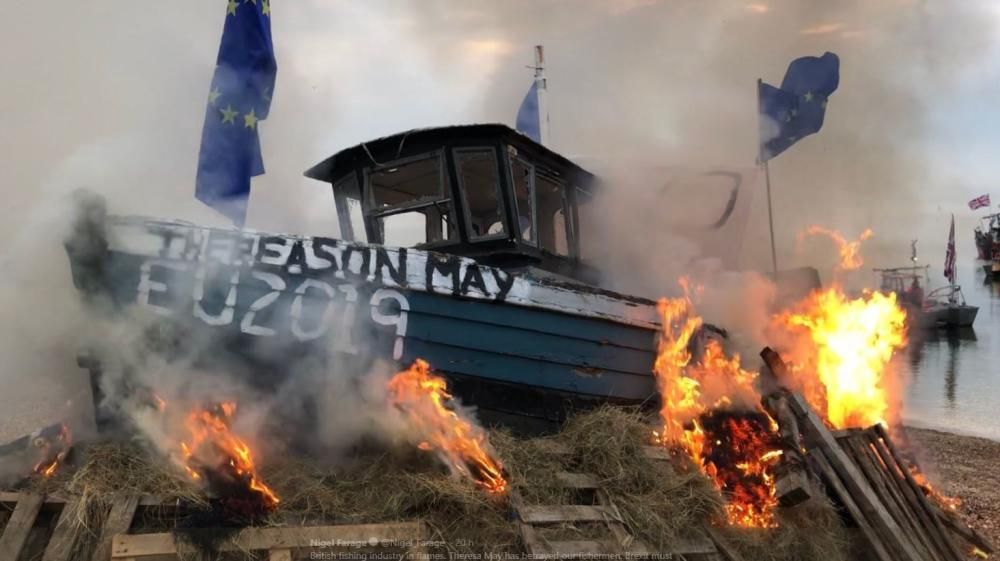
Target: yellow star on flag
[267,7]
[229,114]
[808,97]
[231,7]
[214,95]
[250,120]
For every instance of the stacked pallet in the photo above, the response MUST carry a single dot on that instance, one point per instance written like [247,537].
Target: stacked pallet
[864,472]
[596,514]
[36,527]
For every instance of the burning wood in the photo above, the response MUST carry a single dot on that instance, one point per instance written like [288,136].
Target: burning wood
[460,442]
[739,452]
[701,416]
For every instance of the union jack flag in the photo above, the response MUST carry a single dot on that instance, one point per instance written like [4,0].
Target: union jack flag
[979,202]
[949,257]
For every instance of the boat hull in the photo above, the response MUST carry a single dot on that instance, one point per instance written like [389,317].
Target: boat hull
[511,344]
[950,316]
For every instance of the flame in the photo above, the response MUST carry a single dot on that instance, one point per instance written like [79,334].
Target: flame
[54,453]
[841,352]
[694,396]
[212,446]
[946,502]
[424,399]
[850,252]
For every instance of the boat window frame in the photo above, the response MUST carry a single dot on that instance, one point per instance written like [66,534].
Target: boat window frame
[341,196]
[373,216]
[515,157]
[568,208]
[500,195]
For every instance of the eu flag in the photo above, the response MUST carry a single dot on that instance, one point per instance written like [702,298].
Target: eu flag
[797,108]
[239,98]
[528,119]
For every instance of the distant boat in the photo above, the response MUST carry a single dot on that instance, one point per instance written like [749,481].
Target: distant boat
[941,307]
[988,237]
[946,307]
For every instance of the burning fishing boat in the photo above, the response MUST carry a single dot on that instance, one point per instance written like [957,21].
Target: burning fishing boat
[458,245]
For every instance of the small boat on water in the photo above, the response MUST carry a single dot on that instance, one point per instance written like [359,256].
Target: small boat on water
[946,307]
[943,307]
[988,245]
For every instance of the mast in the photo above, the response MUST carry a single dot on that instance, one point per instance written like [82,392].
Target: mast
[767,177]
[542,90]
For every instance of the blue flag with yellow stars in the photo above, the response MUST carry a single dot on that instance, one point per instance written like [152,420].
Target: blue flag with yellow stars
[238,100]
[797,108]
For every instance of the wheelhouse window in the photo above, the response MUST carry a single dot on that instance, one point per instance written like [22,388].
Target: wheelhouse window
[550,200]
[523,175]
[479,180]
[410,204]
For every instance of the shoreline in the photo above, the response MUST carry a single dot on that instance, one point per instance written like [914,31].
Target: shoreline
[918,426]
[964,467]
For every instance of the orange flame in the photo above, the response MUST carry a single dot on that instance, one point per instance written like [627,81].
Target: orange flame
[212,445]
[949,503]
[424,400]
[841,352]
[850,252]
[690,390]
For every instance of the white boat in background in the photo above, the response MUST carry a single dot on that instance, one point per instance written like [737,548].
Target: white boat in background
[946,307]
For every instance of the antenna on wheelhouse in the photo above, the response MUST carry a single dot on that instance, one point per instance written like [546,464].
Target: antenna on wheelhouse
[542,84]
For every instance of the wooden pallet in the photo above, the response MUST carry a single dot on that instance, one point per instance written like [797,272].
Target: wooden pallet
[406,539]
[867,475]
[602,513]
[38,528]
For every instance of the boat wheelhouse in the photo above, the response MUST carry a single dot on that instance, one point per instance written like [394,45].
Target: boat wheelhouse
[481,191]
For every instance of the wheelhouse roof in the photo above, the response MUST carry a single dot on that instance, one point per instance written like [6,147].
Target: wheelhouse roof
[383,150]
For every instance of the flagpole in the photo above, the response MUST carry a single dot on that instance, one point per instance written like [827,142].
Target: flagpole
[767,179]
[542,90]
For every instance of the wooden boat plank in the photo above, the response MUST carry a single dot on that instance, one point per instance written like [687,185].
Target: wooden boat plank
[519,370]
[538,344]
[562,324]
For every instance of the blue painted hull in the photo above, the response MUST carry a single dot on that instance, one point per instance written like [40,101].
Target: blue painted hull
[511,344]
